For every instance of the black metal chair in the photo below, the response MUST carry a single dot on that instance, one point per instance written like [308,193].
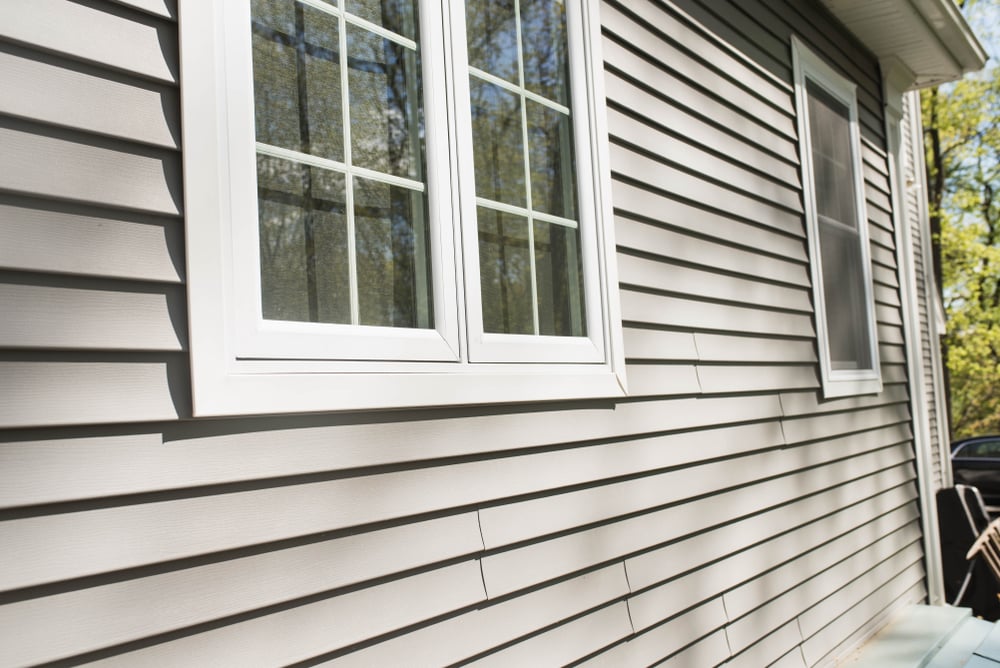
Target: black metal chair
[969,581]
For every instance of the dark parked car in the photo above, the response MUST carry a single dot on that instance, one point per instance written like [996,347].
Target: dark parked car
[976,462]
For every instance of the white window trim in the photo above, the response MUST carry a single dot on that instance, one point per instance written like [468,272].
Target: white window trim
[238,369]
[808,65]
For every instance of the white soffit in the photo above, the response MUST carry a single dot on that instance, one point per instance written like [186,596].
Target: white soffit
[929,37]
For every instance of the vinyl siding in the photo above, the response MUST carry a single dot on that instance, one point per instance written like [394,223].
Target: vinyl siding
[722,512]
[930,377]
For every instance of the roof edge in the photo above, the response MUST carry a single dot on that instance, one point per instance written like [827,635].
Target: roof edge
[957,34]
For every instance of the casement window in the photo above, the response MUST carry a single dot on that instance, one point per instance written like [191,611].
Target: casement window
[837,226]
[393,204]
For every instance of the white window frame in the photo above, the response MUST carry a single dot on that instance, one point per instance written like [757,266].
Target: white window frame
[808,66]
[243,364]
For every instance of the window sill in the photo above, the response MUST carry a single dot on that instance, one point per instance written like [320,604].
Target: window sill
[248,389]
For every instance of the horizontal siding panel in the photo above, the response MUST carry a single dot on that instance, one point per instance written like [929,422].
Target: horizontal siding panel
[655,344]
[709,651]
[888,315]
[42,88]
[890,334]
[717,379]
[661,380]
[492,625]
[84,620]
[676,312]
[727,348]
[710,254]
[893,373]
[56,391]
[661,564]
[776,556]
[867,566]
[77,317]
[728,568]
[190,455]
[622,60]
[881,237]
[685,155]
[771,648]
[643,169]
[521,567]
[799,430]
[885,276]
[816,557]
[651,645]
[809,403]
[838,598]
[317,628]
[212,523]
[97,33]
[164,8]
[514,522]
[674,26]
[883,256]
[566,643]
[64,168]
[643,38]
[710,284]
[845,648]
[786,241]
[907,587]
[66,240]
[743,33]
[668,114]
[887,295]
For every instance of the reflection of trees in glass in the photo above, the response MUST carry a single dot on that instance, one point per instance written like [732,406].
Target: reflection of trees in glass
[546,61]
[531,275]
[322,259]
[505,272]
[498,143]
[492,37]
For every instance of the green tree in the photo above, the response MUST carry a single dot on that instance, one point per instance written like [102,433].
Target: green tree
[962,137]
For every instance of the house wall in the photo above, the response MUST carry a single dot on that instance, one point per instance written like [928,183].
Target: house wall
[722,510]
[931,390]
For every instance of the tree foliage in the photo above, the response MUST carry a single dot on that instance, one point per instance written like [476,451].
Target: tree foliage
[962,137]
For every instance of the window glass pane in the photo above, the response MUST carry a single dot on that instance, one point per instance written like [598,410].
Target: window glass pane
[560,280]
[505,273]
[497,141]
[399,16]
[393,256]
[303,243]
[550,155]
[844,293]
[320,262]
[543,41]
[386,114]
[297,94]
[491,30]
[829,122]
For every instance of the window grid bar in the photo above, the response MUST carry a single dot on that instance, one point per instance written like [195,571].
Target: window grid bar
[337,166]
[525,213]
[527,166]
[361,23]
[833,222]
[345,105]
[305,139]
[517,90]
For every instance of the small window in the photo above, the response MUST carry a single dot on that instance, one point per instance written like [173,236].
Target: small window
[836,225]
[396,204]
